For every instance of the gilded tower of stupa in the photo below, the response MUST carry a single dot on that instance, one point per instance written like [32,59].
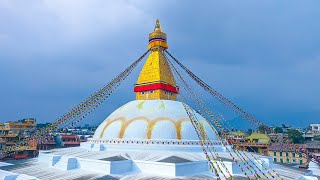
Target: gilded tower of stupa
[156,80]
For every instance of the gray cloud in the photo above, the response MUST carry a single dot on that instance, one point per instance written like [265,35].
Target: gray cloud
[262,55]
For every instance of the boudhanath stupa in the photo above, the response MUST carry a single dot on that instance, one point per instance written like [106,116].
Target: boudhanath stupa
[151,137]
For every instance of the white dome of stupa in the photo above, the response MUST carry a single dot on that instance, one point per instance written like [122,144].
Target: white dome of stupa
[151,120]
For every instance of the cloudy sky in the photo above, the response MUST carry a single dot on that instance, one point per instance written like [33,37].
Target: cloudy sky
[263,55]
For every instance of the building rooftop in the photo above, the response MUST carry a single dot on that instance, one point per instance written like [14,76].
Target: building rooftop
[239,133]
[315,145]
[258,136]
[284,147]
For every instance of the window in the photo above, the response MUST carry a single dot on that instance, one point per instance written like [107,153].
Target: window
[300,155]
[281,160]
[300,161]
[280,153]
[152,91]
[287,154]
[274,159]
[288,161]
[274,153]
[142,92]
[293,154]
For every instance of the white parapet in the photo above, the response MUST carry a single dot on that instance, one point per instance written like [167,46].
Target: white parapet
[149,145]
[156,168]
[66,163]
[86,145]
[266,161]
[308,178]
[171,169]
[314,168]
[6,175]
[98,147]
[49,159]
[105,167]
[189,168]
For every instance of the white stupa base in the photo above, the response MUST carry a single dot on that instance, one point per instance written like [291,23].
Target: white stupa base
[99,161]
[156,160]
[126,166]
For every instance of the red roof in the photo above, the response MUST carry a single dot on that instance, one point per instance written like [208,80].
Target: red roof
[72,143]
[68,137]
[49,142]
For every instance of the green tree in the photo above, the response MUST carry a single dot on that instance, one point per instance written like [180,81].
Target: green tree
[249,132]
[295,136]
[278,130]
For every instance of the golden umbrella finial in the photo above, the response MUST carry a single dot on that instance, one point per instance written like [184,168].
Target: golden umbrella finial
[158,26]
[157,37]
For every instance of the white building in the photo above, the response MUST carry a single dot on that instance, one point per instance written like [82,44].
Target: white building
[315,128]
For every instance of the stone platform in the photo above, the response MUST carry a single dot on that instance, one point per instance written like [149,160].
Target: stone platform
[81,163]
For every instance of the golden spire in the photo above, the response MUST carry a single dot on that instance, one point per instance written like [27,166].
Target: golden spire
[157,37]
[158,26]
[156,79]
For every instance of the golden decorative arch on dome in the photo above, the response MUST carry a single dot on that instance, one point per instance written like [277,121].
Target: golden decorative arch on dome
[127,123]
[150,124]
[110,122]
